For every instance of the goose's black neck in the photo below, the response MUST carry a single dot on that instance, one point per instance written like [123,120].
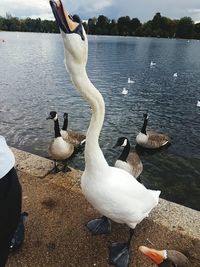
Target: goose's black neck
[56,129]
[65,124]
[143,130]
[125,152]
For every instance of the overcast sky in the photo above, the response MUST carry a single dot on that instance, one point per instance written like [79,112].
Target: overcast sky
[144,10]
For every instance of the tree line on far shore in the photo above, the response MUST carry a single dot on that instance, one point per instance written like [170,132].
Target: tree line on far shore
[159,26]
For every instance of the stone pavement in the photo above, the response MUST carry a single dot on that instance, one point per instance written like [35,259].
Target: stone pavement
[56,235]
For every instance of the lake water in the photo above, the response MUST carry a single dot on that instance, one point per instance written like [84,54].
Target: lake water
[33,81]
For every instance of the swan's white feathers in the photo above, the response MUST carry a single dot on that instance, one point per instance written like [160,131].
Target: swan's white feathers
[114,193]
[76,51]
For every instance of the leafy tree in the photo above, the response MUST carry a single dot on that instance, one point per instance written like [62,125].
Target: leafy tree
[157,27]
[113,30]
[124,25]
[91,25]
[197,30]
[134,25]
[185,28]
[102,25]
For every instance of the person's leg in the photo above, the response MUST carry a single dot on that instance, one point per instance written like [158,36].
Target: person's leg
[10,210]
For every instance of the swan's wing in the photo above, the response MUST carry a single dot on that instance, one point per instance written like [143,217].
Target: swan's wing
[134,160]
[117,195]
[130,193]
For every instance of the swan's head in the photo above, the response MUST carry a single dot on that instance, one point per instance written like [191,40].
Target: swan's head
[52,116]
[65,115]
[74,38]
[121,141]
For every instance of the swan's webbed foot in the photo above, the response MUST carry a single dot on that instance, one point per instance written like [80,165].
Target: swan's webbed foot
[99,226]
[119,254]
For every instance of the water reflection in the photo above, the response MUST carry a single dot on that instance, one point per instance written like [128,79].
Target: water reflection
[34,81]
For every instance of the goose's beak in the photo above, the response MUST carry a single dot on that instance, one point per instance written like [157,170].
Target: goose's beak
[157,256]
[116,145]
[49,118]
[65,21]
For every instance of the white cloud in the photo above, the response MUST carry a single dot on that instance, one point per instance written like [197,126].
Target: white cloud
[25,8]
[143,9]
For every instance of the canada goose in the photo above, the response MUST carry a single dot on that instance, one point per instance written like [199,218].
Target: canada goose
[59,149]
[72,137]
[112,191]
[166,258]
[124,91]
[151,140]
[128,161]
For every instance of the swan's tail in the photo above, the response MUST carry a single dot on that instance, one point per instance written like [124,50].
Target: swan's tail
[156,194]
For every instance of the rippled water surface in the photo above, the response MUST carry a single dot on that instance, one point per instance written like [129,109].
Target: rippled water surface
[33,81]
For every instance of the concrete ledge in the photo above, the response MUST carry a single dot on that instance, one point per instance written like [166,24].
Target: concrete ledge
[55,231]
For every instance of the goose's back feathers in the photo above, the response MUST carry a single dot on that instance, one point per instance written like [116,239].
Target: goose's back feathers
[134,160]
[156,140]
[178,258]
[73,137]
[132,165]
[152,140]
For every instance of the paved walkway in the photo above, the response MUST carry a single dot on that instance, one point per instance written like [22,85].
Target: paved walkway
[56,235]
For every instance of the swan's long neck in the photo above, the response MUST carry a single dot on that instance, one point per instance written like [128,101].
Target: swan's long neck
[143,130]
[94,157]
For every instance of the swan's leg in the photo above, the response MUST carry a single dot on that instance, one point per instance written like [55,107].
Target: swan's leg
[55,168]
[99,226]
[119,252]
[65,167]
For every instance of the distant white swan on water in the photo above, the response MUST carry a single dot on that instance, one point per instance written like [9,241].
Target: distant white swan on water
[130,81]
[152,64]
[124,91]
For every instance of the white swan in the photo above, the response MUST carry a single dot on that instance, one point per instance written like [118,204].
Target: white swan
[175,75]
[124,91]
[152,64]
[130,81]
[198,103]
[112,191]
